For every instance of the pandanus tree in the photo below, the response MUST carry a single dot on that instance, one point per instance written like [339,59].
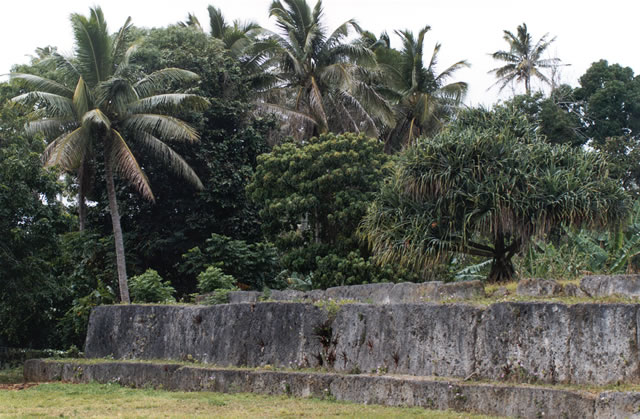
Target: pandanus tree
[485,187]
[319,75]
[111,105]
[523,59]
[424,99]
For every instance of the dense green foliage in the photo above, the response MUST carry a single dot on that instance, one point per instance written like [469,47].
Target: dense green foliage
[31,220]
[110,105]
[231,139]
[253,265]
[486,192]
[466,201]
[149,287]
[312,197]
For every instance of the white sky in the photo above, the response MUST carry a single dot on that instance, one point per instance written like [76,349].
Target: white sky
[586,30]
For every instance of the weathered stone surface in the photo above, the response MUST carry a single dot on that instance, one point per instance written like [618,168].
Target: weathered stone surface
[384,293]
[491,399]
[572,290]
[236,297]
[536,287]
[418,339]
[557,343]
[617,404]
[525,342]
[604,285]
[230,334]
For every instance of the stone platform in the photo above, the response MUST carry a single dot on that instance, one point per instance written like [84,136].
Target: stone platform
[430,392]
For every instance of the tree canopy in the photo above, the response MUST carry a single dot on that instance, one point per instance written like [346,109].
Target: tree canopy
[524,59]
[111,104]
[487,191]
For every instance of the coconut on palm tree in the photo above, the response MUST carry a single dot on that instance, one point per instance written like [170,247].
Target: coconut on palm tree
[524,59]
[110,105]
[424,99]
[319,75]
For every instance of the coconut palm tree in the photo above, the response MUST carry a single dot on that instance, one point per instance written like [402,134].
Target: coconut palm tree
[237,36]
[523,59]
[320,84]
[110,105]
[423,98]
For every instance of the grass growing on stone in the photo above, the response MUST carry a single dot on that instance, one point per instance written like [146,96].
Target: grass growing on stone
[506,292]
[112,400]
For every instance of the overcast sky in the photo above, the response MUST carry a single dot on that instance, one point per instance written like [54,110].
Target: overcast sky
[585,31]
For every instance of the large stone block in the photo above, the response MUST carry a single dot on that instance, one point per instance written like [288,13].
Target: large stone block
[487,398]
[280,334]
[516,341]
[418,339]
[605,285]
[557,343]
[383,293]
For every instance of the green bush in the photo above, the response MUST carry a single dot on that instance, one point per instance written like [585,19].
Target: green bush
[150,288]
[213,279]
[312,197]
[254,265]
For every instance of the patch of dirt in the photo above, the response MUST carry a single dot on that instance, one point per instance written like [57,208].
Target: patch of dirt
[18,386]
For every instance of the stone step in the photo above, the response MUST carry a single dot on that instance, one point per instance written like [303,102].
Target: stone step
[382,293]
[593,344]
[526,401]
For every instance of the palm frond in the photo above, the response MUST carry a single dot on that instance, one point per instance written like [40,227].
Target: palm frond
[37,83]
[175,162]
[168,101]
[81,98]
[67,151]
[158,80]
[121,41]
[52,104]
[50,127]
[94,120]
[162,126]
[93,46]
[217,24]
[126,165]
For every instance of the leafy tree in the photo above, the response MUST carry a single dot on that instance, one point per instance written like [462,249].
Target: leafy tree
[312,197]
[232,138]
[610,96]
[486,191]
[31,220]
[556,116]
[320,86]
[609,103]
[253,265]
[424,100]
[111,103]
[524,59]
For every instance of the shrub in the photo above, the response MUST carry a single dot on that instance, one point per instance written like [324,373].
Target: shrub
[213,279]
[150,288]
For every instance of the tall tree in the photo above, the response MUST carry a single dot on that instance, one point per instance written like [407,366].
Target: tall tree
[524,59]
[112,102]
[319,86]
[423,99]
[485,187]
[609,102]
[31,220]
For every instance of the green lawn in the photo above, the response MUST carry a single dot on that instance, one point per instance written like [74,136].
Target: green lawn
[112,400]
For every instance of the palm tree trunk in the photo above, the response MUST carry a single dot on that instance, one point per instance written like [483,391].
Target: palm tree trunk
[117,231]
[82,205]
